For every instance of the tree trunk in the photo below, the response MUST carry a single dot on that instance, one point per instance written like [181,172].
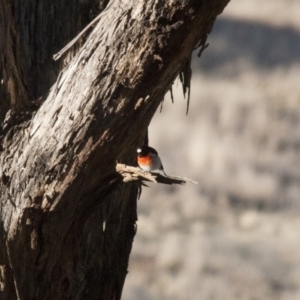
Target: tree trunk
[67,219]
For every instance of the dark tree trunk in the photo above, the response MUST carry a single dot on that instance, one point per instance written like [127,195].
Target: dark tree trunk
[67,219]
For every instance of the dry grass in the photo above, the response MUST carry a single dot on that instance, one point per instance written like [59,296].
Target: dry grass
[236,235]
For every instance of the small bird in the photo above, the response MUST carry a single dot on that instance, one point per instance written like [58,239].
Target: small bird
[148,159]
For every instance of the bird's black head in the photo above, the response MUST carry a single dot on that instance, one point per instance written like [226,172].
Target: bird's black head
[145,150]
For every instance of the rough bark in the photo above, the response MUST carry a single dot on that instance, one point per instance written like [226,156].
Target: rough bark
[67,218]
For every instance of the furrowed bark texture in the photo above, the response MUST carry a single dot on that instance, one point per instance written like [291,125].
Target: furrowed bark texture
[67,218]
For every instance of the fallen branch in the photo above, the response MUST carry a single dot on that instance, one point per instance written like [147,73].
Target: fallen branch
[133,173]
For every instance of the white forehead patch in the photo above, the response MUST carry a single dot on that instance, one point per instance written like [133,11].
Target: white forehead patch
[139,150]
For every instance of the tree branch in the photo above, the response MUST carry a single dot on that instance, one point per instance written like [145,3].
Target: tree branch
[63,51]
[133,173]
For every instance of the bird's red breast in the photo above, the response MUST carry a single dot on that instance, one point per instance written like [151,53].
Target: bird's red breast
[144,160]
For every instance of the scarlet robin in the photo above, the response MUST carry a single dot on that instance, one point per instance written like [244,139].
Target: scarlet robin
[148,159]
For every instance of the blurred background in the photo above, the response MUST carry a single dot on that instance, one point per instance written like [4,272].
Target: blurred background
[235,235]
